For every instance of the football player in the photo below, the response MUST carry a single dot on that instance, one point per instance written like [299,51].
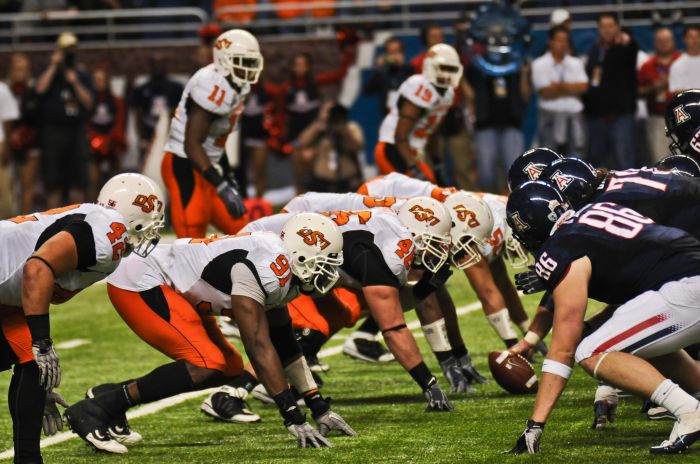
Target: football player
[201,186]
[381,248]
[170,299]
[418,109]
[47,258]
[598,252]
[488,277]
[682,117]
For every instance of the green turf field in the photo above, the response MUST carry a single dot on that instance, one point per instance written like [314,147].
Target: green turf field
[381,402]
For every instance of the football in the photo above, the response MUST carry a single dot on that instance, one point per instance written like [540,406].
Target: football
[512,372]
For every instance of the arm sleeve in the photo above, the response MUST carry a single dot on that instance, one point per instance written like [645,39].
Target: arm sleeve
[367,265]
[244,283]
[84,242]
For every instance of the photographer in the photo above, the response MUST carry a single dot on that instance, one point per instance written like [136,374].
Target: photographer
[391,70]
[65,102]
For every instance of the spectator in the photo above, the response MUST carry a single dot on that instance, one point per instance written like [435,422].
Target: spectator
[223,14]
[560,79]
[685,71]
[106,132]
[430,35]
[159,95]
[9,112]
[653,85]
[611,100]
[254,138]
[330,146]
[390,71]
[23,139]
[499,105]
[65,102]
[560,17]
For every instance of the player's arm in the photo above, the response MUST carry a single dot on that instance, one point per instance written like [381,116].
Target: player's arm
[570,299]
[409,114]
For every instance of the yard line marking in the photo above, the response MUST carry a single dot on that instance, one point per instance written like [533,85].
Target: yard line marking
[165,403]
[67,345]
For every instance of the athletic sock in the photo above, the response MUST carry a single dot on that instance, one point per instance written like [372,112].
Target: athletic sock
[311,341]
[26,398]
[524,326]
[459,351]
[116,401]
[165,381]
[369,326]
[674,398]
[500,321]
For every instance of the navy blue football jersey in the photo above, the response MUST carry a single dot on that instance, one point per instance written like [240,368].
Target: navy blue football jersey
[629,253]
[669,199]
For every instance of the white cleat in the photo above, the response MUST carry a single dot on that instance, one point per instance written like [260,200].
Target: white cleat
[228,404]
[105,443]
[366,347]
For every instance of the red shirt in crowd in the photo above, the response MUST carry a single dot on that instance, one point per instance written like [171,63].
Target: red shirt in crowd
[650,71]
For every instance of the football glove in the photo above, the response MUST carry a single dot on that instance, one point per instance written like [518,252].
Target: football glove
[529,440]
[307,436]
[453,373]
[437,399]
[227,189]
[52,421]
[47,360]
[470,371]
[326,419]
[528,282]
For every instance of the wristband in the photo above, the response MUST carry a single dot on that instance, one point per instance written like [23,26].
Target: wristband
[39,326]
[316,403]
[213,176]
[531,424]
[289,410]
[556,368]
[532,338]
[421,374]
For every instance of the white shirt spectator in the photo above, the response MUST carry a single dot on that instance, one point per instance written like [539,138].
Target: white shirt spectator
[9,110]
[684,73]
[546,71]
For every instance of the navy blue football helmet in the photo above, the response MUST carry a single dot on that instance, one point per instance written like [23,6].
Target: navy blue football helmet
[574,178]
[682,118]
[680,164]
[530,165]
[532,210]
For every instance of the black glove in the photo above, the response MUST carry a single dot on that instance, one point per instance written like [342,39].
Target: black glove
[47,360]
[227,189]
[52,421]
[437,399]
[430,281]
[529,440]
[528,282]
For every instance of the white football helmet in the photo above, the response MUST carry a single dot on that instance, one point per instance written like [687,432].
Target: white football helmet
[442,66]
[315,245]
[472,222]
[139,200]
[430,223]
[516,255]
[237,53]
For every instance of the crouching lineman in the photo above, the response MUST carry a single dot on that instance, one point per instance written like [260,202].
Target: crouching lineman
[598,252]
[381,247]
[169,300]
[47,258]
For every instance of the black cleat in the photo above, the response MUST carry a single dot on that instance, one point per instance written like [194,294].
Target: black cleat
[91,423]
[366,349]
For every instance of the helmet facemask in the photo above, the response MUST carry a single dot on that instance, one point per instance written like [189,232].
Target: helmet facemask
[431,251]
[319,272]
[464,253]
[142,240]
[516,255]
[245,68]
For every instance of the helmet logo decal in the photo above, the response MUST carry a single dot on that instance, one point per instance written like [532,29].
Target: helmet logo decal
[561,180]
[468,216]
[518,223]
[313,237]
[680,114]
[553,205]
[222,43]
[533,170]
[424,215]
[148,203]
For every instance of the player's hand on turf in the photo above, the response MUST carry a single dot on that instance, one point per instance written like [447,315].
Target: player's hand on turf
[232,199]
[437,399]
[52,421]
[453,373]
[333,421]
[524,348]
[529,440]
[469,371]
[47,360]
[528,282]
[307,436]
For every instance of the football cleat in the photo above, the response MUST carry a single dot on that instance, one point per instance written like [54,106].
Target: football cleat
[261,394]
[605,411]
[659,413]
[90,422]
[365,347]
[315,364]
[118,427]
[228,404]
[686,431]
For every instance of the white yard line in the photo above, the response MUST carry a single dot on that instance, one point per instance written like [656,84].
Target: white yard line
[67,345]
[156,406]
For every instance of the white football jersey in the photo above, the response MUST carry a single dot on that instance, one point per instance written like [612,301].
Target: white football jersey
[419,91]
[215,94]
[201,269]
[315,202]
[402,186]
[391,238]
[20,237]
[497,240]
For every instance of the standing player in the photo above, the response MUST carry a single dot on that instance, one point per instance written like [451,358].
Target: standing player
[170,299]
[597,252]
[48,258]
[421,103]
[195,170]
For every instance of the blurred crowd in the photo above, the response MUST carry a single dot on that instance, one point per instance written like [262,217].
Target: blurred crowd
[65,130]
